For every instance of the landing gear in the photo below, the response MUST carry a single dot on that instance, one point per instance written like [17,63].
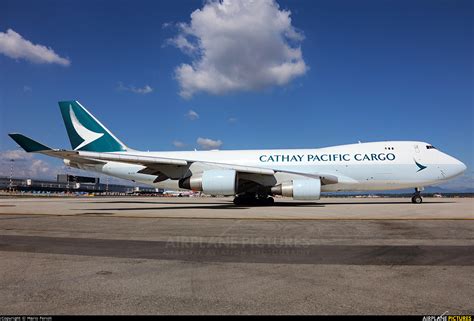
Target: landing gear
[239,200]
[254,200]
[416,198]
[269,201]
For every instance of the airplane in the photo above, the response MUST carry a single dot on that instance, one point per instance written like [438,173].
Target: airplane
[252,176]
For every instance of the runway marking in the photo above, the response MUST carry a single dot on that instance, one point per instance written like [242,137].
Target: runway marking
[293,253]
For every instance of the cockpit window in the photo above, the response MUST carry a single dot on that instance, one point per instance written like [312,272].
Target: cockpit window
[430,147]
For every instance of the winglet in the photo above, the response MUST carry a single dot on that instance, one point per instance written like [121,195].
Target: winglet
[28,144]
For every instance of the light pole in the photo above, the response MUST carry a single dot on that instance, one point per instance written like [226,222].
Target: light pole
[11,174]
[66,170]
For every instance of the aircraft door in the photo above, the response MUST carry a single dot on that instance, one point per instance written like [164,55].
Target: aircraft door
[417,154]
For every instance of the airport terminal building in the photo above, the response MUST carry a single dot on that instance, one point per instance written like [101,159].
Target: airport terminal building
[73,184]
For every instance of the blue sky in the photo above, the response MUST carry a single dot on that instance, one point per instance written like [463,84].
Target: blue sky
[368,70]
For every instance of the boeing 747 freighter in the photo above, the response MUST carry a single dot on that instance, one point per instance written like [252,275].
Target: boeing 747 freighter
[253,176]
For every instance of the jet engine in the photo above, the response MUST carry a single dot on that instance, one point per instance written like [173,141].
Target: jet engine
[68,162]
[299,189]
[213,182]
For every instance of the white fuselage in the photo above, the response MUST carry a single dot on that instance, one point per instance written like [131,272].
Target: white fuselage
[365,166]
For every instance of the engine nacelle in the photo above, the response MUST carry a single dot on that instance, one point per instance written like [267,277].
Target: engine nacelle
[213,182]
[68,162]
[299,189]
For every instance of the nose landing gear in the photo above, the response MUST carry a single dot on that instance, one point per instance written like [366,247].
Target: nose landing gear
[416,198]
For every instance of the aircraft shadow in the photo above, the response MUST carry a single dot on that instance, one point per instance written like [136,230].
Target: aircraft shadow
[152,202]
[277,203]
[191,207]
[196,205]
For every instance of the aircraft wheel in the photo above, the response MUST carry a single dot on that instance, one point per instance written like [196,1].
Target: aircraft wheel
[269,201]
[245,200]
[238,200]
[416,199]
[253,201]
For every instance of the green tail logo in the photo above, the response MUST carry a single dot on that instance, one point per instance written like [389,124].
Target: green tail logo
[86,132]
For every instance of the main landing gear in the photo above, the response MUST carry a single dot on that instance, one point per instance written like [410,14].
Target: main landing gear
[416,198]
[254,200]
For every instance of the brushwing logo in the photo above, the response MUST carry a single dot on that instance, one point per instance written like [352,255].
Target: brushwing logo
[87,135]
[420,167]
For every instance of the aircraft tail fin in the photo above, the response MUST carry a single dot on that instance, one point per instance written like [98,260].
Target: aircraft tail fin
[86,132]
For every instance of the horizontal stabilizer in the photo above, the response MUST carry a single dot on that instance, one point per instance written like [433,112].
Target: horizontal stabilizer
[28,144]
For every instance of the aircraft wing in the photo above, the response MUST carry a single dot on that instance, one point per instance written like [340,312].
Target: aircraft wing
[167,167]
[162,167]
[176,168]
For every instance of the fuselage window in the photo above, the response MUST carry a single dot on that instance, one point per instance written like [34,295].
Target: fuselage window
[430,147]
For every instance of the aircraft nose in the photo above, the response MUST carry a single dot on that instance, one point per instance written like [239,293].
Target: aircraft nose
[450,167]
[461,167]
[456,168]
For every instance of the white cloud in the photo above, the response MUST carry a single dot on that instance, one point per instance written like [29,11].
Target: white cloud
[25,165]
[15,155]
[238,45]
[13,45]
[27,89]
[142,91]
[233,120]
[183,43]
[192,115]
[207,143]
[178,144]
